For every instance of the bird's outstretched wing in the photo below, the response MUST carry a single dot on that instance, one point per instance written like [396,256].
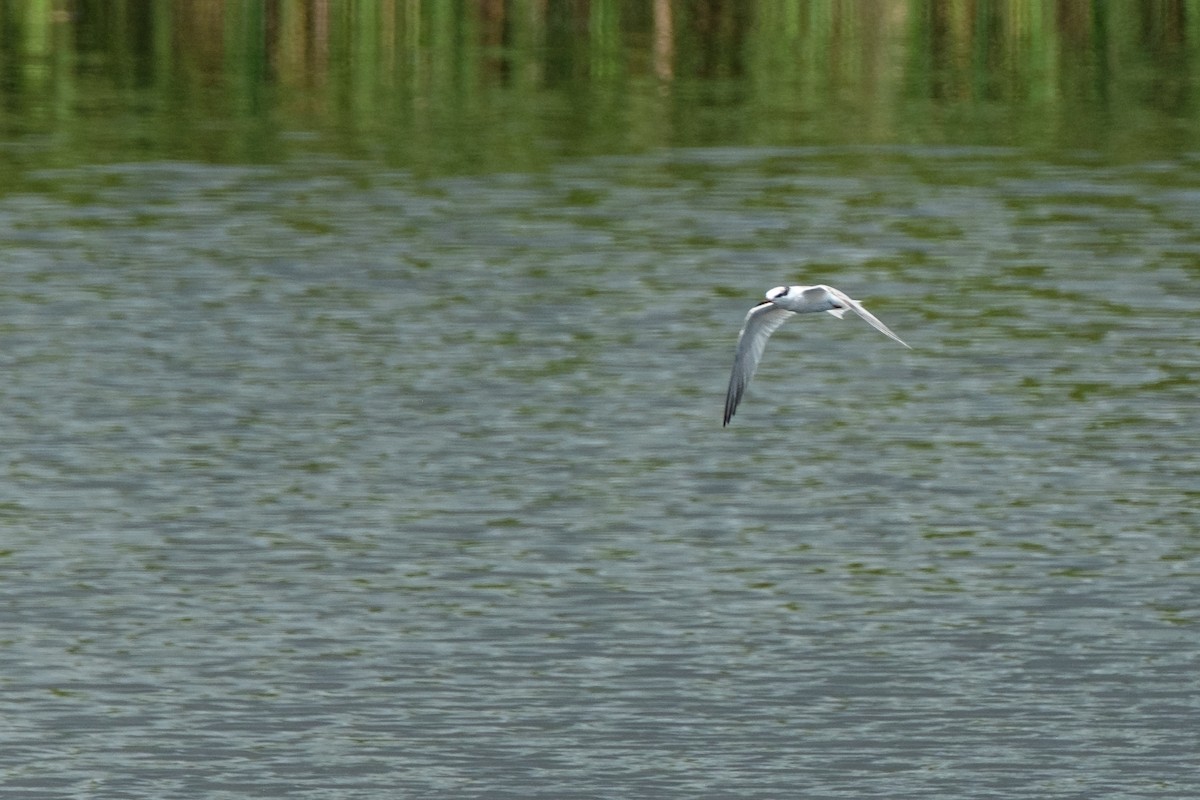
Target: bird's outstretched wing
[761,322]
[857,308]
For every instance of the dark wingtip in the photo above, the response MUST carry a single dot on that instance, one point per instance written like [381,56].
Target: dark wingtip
[732,398]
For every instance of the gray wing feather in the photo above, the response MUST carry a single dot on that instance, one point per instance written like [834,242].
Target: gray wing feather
[761,322]
[857,308]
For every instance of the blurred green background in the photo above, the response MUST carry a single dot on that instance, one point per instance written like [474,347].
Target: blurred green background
[441,86]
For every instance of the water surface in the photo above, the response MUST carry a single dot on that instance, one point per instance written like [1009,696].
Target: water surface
[332,481]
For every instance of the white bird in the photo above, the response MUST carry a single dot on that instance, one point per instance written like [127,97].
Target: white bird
[762,320]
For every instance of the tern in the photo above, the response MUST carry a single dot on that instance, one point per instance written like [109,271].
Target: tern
[763,320]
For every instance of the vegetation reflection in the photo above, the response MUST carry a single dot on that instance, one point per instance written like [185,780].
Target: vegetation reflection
[511,83]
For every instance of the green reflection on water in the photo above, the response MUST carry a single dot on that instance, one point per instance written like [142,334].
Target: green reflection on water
[442,87]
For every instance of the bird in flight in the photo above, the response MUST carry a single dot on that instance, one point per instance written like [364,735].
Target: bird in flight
[762,320]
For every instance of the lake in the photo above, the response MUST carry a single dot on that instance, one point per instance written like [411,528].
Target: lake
[343,464]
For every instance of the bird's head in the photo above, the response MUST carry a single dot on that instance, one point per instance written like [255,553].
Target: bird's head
[777,292]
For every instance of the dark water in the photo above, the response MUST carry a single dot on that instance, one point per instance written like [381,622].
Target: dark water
[327,481]
[361,378]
